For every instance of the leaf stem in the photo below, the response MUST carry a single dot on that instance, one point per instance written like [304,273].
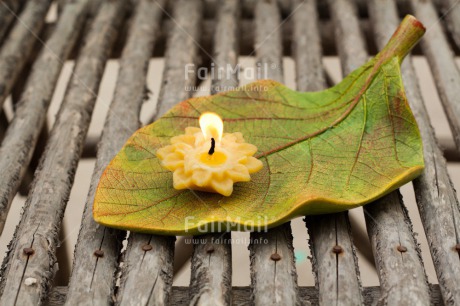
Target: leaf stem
[406,36]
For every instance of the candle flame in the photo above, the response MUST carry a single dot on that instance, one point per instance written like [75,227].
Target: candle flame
[212,126]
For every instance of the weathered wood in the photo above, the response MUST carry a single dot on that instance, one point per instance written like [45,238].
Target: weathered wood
[180,296]
[186,36]
[273,271]
[22,134]
[18,46]
[398,258]
[146,277]
[56,296]
[337,271]
[308,295]
[306,47]
[436,197]
[93,278]
[211,278]
[350,43]
[44,208]
[9,9]
[334,260]
[211,7]
[17,147]
[267,40]
[147,273]
[388,224]
[211,275]
[226,45]
[16,93]
[287,6]
[246,37]
[450,10]
[442,62]
[396,251]
[323,230]
[414,290]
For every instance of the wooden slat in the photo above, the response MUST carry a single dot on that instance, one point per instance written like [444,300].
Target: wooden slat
[435,195]
[14,54]
[32,254]
[306,47]
[186,37]
[398,259]
[337,275]
[396,251]
[226,45]
[211,7]
[451,13]
[334,260]
[180,296]
[92,279]
[436,198]
[273,271]
[442,62]
[387,220]
[16,93]
[352,50]
[30,31]
[211,277]
[147,273]
[267,40]
[350,42]
[246,37]
[18,47]
[285,6]
[8,10]
[371,296]
[148,262]
[22,134]
[328,230]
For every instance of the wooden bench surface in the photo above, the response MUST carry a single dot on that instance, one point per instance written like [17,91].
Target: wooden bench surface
[201,31]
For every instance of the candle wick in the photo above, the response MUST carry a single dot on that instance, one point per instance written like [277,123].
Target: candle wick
[213,146]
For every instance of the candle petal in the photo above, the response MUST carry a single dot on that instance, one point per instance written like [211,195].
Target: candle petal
[239,173]
[181,180]
[253,164]
[224,187]
[233,137]
[186,139]
[239,137]
[201,177]
[165,151]
[173,161]
[246,148]
[182,149]
[192,130]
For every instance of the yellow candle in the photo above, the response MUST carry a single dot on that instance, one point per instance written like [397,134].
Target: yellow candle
[209,160]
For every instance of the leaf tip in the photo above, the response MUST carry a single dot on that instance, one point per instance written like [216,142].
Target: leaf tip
[416,23]
[406,36]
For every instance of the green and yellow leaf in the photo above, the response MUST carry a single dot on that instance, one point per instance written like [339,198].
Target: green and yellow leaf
[322,152]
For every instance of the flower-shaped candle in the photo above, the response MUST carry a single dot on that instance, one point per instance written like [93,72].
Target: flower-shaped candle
[207,159]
